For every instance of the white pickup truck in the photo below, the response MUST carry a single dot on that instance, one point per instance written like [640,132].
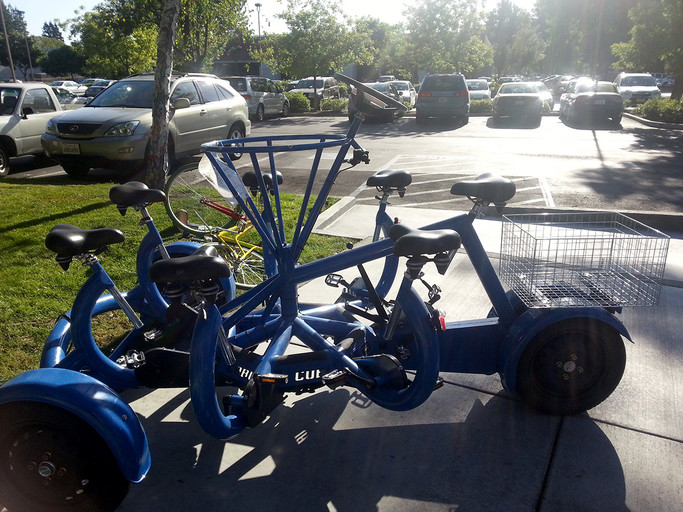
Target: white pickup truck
[25,109]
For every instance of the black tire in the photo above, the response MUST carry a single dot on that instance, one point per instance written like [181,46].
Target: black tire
[260,113]
[4,162]
[53,461]
[571,366]
[236,132]
[419,119]
[616,120]
[185,189]
[75,171]
[285,109]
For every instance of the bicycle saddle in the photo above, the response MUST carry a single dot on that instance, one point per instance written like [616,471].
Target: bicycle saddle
[135,193]
[197,267]
[488,187]
[251,181]
[68,241]
[414,242]
[390,178]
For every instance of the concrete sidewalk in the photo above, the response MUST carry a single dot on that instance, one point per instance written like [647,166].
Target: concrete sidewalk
[470,447]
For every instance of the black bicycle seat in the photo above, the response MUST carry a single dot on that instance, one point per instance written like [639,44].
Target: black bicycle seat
[135,193]
[390,178]
[187,269]
[68,240]
[413,242]
[251,181]
[488,187]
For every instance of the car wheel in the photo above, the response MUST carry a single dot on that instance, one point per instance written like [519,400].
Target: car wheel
[260,113]
[236,132]
[615,120]
[419,118]
[75,171]
[4,163]
[285,109]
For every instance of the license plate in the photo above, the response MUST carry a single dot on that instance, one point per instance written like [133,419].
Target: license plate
[599,102]
[443,99]
[71,149]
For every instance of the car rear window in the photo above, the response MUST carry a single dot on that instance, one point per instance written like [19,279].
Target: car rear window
[239,84]
[443,83]
[517,88]
[477,85]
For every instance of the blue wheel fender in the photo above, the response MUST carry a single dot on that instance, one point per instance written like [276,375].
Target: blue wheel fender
[93,402]
[533,321]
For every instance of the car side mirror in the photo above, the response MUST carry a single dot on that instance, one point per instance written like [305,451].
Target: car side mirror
[26,111]
[181,103]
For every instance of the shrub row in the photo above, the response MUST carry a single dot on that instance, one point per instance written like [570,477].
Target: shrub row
[663,110]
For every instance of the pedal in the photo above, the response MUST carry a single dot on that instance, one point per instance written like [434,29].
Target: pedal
[439,383]
[132,359]
[153,335]
[262,394]
[334,280]
[335,379]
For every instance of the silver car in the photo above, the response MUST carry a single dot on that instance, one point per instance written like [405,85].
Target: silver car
[479,89]
[406,90]
[113,130]
[264,97]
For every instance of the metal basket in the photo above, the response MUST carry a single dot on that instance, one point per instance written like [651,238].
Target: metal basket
[582,259]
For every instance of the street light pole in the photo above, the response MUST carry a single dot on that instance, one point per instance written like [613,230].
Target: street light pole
[4,30]
[28,51]
[258,24]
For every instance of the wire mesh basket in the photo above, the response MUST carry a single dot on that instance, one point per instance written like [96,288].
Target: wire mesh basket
[582,259]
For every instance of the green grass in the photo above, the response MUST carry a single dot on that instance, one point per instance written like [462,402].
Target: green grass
[34,290]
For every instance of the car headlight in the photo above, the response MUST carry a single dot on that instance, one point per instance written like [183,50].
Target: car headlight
[51,126]
[123,129]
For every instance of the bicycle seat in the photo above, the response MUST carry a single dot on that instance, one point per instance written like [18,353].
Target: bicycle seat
[186,269]
[390,178]
[251,181]
[413,242]
[488,187]
[68,240]
[135,193]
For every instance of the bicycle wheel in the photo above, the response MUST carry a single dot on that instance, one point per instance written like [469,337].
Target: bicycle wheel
[186,192]
[248,268]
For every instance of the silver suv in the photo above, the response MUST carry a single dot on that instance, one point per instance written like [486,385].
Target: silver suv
[326,87]
[263,96]
[637,87]
[443,95]
[113,130]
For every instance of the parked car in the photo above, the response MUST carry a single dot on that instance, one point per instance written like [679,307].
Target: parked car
[637,87]
[589,100]
[70,86]
[67,99]
[518,100]
[325,87]
[89,81]
[386,78]
[263,96]
[443,95]
[24,111]
[113,130]
[373,108]
[479,89]
[546,95]
[98,87]
[406,91]
[291,85]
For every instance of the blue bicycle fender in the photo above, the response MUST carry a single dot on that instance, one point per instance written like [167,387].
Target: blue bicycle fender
[93,402]
[533,321]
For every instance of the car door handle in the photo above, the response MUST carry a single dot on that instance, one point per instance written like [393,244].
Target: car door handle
[202,112]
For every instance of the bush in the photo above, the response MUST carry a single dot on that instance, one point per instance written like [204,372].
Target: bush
[334,105]
[663,110]
[298,102]
[481,106]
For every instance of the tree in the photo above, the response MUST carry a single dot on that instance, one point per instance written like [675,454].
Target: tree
[19,40]
[53,31]
[447,36]
[61,61]
[656,41]
[317,43]
[516,41]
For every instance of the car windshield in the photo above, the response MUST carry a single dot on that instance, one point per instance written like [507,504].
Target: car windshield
[639,81]
[518,88]
[132,93]
[308,83]
[477,85]
[238,83]
[8,100]
[401,86]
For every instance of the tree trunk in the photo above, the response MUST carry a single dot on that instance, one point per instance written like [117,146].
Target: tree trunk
[156,165]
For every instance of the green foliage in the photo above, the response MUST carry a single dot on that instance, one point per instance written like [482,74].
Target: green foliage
[19,40]
[298,102]
[62,61]
[481,106]
[334,105]
[663,110]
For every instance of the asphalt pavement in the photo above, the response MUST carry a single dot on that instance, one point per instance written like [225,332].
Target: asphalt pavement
[470,447]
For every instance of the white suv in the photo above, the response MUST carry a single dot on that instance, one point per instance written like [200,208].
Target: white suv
[326,87]
[264,97]
[113,130]
[637,87]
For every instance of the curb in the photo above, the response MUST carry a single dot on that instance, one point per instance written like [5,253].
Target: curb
[654,124]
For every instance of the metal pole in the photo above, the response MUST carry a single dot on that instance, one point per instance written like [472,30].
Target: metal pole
[258,23]
[4,30]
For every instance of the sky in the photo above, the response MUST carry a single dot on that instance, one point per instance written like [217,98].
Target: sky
[38,12]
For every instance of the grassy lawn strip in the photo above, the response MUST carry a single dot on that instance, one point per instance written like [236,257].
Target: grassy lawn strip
[34,290]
